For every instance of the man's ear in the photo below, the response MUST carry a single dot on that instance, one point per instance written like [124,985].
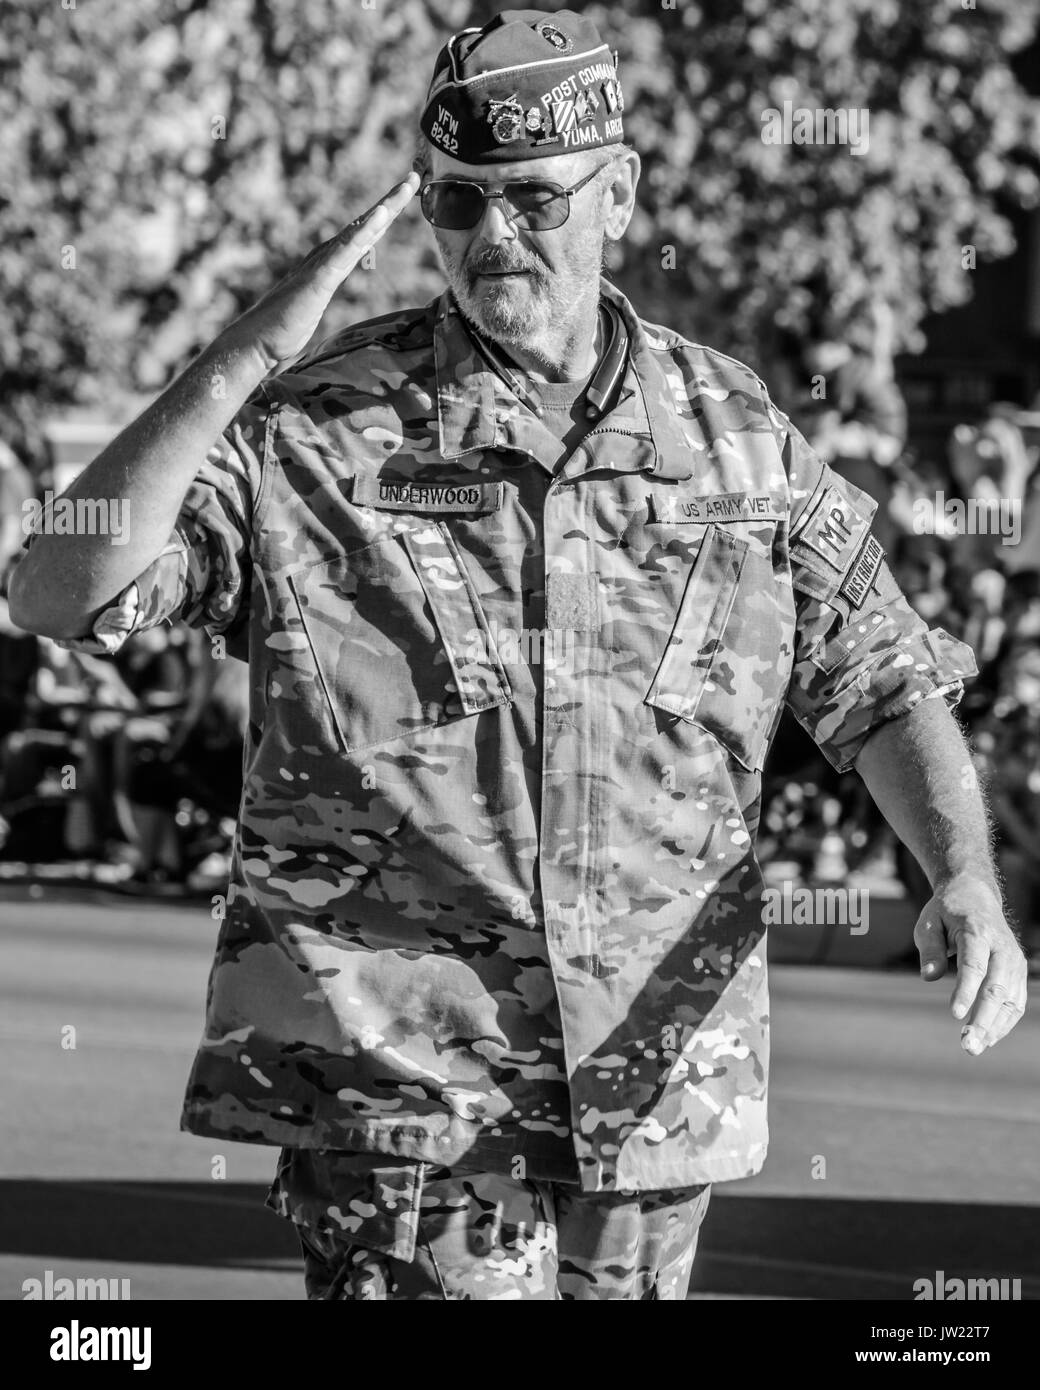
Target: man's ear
[620,214]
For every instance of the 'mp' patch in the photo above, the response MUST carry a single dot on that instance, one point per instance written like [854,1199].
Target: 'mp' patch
[834,530]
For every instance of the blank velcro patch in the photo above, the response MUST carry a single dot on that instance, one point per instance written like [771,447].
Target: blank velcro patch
[571,600]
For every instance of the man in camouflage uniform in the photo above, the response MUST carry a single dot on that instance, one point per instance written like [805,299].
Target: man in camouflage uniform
[524,583]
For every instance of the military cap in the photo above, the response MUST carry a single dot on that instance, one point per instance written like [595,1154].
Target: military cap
[526,85]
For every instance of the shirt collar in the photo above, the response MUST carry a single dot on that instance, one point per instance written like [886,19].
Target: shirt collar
[475,408]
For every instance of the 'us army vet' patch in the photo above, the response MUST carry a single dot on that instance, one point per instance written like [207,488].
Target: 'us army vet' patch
[726,506]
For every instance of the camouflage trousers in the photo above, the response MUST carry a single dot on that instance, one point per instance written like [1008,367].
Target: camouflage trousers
[375,1228]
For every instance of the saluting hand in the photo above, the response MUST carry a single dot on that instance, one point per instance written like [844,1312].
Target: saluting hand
[280,324]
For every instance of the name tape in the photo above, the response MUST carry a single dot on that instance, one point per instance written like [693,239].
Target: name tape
[726,506]
[398,496]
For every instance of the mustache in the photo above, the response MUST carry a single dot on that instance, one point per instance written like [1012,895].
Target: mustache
[492,263]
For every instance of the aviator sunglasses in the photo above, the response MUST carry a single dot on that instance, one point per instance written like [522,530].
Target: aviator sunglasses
[537,205]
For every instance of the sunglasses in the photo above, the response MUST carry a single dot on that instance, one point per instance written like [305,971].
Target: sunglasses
[535,205]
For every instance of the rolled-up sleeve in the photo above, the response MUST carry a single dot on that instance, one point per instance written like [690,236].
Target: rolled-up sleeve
[862,655]
[204,572]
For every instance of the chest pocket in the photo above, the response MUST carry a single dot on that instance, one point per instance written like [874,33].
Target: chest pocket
[728,659]
[399,637]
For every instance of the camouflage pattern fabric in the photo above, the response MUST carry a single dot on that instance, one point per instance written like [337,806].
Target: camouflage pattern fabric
[488,903]
[404,1231]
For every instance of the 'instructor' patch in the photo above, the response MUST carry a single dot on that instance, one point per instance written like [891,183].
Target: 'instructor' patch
[863,572]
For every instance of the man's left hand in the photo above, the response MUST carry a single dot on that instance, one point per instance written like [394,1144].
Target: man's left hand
[964,918]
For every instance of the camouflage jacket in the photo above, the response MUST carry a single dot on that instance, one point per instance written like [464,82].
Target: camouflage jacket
[494,901]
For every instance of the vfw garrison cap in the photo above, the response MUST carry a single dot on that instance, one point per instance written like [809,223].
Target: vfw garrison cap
[526,85]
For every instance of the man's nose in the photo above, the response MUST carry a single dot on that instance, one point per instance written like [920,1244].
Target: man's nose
[497,224]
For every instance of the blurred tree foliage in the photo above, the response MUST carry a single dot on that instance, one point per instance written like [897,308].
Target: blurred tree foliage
[164,160]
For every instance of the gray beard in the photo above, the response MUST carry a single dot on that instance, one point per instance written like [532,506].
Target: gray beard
[512,324]
[517,325]
[523,323]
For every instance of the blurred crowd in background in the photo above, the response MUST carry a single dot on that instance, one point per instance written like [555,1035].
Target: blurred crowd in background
[962,535]
[123,770]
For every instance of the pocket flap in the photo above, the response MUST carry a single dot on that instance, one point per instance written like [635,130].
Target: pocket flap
[350,1199]
[703,611]
[470,647]
[727,664]
[399,638]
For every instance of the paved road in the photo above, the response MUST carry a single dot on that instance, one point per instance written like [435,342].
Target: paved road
[894,1155]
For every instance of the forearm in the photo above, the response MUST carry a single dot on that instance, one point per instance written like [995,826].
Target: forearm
[919,771]
[63,581]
